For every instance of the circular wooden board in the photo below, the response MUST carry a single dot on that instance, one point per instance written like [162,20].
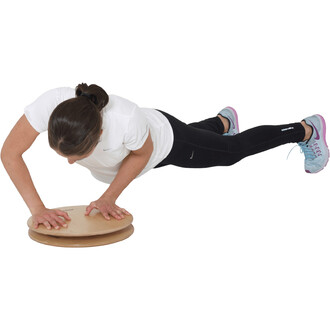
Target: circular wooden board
[85,241]
[81,225]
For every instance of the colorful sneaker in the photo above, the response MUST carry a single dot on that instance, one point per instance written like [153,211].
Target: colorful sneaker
[231,115]
[315,149]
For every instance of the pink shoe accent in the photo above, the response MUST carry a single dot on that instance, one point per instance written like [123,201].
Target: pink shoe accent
[324,129]
[324,138]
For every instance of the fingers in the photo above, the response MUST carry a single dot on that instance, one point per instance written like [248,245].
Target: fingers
[118,213]
[63,214]
[55,220]
[105,214]
[107,210]
[51,219]
[47,225]
[126,212]
[89,208]
[53,223]
[36,223]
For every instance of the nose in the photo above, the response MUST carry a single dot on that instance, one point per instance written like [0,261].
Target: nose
[71,161]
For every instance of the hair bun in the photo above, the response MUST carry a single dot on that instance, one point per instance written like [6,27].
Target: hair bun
[94,93]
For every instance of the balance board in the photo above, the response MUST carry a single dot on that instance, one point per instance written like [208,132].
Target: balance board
[83,231]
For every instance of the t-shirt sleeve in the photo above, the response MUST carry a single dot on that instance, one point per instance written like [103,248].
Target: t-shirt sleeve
[138,130]
[39,112]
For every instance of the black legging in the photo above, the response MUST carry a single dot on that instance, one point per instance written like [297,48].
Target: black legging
[202,144]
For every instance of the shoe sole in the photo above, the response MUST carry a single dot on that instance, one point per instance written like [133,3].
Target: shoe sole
[324,128]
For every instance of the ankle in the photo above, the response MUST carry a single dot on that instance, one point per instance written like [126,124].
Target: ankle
[225,123]
[308,131]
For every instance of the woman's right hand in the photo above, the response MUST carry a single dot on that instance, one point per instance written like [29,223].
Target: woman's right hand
[50,218]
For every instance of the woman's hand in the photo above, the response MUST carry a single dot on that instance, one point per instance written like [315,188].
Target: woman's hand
[50,218]
[107,207]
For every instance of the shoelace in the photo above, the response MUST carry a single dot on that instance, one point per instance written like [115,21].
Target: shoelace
[311,151]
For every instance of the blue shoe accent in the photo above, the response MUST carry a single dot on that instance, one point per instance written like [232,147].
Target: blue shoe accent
[308,152]
[231,115]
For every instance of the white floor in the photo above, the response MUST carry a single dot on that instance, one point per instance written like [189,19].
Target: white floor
[243,247]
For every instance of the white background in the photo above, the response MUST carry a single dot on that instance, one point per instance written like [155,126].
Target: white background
[242,247]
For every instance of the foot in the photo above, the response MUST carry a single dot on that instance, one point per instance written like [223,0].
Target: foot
[230,114]
[315,149]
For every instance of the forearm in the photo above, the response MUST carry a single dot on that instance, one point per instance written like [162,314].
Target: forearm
[19,174]
[131,167]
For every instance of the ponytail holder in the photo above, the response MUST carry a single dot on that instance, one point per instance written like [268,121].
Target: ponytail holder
[85,94]
[89,96]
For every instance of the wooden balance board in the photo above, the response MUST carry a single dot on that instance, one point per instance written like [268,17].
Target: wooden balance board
[83,231]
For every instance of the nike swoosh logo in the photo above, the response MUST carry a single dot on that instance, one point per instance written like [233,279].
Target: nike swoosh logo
[317,133]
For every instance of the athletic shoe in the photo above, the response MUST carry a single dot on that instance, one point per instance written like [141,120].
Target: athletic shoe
[232,117]
[315,149]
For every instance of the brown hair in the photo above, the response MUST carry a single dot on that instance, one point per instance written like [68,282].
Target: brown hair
[74,127]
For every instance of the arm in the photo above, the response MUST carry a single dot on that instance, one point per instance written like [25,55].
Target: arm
[18,141]
[131,167]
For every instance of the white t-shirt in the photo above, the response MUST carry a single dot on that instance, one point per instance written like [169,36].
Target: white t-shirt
[125,128]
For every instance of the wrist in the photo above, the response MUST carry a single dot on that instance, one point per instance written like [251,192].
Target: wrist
[110,195]
[37,208]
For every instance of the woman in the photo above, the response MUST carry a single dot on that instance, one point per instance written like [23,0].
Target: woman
[118,141]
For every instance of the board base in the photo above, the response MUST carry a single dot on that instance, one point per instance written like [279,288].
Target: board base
[84,241]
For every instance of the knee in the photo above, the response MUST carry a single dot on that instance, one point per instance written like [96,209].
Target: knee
[237,144]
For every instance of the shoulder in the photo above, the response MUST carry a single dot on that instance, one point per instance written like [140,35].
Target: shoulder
[122,117]
[122,112]
[51,98]
[39,111]
[120,106]
[58,94]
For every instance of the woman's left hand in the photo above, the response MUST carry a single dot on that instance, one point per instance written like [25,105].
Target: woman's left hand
[107,207]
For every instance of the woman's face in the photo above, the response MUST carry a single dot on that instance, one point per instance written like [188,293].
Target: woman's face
[72,159]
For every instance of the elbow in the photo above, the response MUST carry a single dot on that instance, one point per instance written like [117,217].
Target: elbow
[3,154]
[7,156]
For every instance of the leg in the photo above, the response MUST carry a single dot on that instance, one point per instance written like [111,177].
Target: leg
[213,124]
[198,148]
[308,130]
[229,119]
